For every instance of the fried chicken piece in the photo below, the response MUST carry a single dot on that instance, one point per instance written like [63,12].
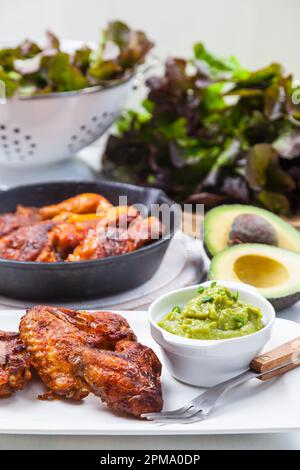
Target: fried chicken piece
[25,243]
[128,379]
[53,336]
[75,352]
[112,241]
[63,239]
[119,216]
[14,364]
[67,236]
[80,204]
[74,218]
[48,255]
[76,234]
[23,217]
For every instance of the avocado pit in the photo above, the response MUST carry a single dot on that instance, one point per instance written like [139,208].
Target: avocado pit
[251,228]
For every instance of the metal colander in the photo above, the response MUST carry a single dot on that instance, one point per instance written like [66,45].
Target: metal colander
[39,130]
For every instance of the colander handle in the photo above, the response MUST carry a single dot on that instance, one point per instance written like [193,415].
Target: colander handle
[142,73]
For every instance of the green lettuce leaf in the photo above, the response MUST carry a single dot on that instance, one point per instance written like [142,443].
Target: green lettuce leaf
[62,75]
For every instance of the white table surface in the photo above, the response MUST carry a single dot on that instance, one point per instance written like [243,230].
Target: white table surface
[289,441]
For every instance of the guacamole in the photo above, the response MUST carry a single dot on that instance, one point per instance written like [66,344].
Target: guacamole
[215,313]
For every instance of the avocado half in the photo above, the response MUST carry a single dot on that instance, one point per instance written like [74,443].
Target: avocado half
[218,223]
[274,271]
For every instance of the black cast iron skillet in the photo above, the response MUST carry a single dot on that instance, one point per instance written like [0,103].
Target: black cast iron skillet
[42,282]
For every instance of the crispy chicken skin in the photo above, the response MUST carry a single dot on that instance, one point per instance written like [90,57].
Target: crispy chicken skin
[25,243]
[53,336]
[77,352]
[23,217]
[71,230]
[102,242]
[81,204]
[14,364]
[63,239]
[119,216]
[127,379]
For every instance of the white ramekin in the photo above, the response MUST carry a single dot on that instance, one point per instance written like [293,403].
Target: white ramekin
[205,363]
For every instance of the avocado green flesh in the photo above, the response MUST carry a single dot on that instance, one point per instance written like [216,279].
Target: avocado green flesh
[215,313]
[218,223]
[275,272]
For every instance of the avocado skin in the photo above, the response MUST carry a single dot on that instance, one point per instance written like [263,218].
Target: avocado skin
[207,252]
[284,302]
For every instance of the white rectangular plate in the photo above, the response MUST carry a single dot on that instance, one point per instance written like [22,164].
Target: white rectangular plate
[250,408]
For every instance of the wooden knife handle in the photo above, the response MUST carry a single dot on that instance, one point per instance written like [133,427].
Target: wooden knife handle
[288,352]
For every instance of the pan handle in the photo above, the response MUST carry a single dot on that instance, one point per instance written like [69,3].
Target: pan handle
[164,197]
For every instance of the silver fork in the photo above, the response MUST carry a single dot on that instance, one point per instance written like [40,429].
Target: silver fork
[200,407]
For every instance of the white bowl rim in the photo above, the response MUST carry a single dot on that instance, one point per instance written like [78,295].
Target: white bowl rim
[200,343]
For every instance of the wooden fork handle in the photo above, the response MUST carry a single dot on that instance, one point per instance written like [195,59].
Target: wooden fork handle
[288,352]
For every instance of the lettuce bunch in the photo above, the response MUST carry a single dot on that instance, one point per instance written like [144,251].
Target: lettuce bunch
[29,69]
[212,131]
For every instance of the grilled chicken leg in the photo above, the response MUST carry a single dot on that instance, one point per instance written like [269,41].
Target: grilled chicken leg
[81,204]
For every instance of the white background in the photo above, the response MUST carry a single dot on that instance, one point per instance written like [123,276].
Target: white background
[256,31]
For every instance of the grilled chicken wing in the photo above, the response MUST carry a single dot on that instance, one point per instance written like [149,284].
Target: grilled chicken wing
[77,352]
[54,335]
[102,242]
[25,243]
[127,379]
[14,364]
[23,217]
[81,204]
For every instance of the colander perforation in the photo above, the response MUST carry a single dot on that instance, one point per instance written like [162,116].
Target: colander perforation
[17,146]
[87,132]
